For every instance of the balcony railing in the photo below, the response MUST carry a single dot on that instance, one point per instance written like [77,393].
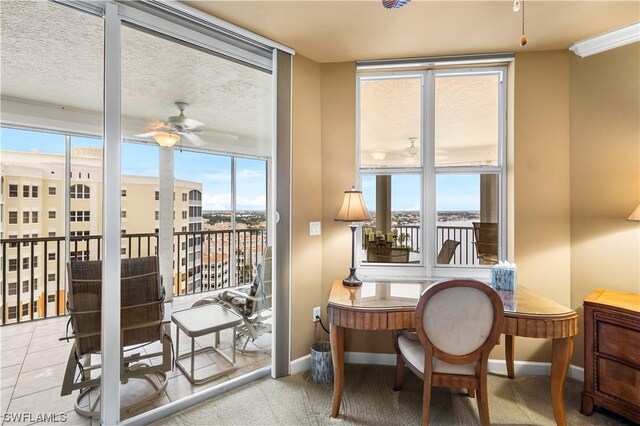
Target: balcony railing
[409,236]
[33,269]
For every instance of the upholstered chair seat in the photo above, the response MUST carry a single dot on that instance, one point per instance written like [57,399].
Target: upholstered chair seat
[458,322]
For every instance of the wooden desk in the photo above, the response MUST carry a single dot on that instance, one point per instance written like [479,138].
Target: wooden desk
[391,306]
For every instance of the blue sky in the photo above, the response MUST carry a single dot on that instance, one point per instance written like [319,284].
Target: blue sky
[214,171]
[454,192]
[457,192]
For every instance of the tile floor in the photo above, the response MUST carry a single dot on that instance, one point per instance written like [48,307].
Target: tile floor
[33,360]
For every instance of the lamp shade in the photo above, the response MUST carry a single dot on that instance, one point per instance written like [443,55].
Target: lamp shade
[353,208]
[635,215]
[166,139]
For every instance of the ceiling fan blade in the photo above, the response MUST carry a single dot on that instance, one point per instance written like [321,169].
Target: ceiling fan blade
[194,139]
[147,135]
[191,123]
[157,125]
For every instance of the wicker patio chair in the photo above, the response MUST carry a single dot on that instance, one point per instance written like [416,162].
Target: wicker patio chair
[141,324]
[447,251]
[486,236]
[252,302]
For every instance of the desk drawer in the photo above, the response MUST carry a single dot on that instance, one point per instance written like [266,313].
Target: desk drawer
[619,380]
[620,342]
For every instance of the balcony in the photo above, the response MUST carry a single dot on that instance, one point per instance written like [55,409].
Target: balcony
[33,357]
[410,236]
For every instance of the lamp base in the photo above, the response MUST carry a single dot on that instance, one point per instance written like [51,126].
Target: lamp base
[352,280]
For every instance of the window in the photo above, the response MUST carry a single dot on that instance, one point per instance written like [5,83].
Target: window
[13,237]
[157,215]
[25,309]
[25,286]
[51,298]
[13,265]
[184,196]
[79,255]
[52,214]
[195,195]
[123,214]
[123,251]
[79,233]
[13,191]
[25,243]
[35,284]
[184,214]
[25,217]
[25,263]
[51,256]
[35,262]
[157,195]
[79,191]
[80,216]
[123,193]
[13,289]
[12,312]
[432,168]
[123,232]
[52,190]
[13,218]
[184,229]
[26,190]
[34,217]
[52,234]
[51,278]
[35,191]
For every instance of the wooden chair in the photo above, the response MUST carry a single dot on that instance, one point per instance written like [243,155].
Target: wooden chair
[141,324]
[446,252]
[458,322]
[486,236]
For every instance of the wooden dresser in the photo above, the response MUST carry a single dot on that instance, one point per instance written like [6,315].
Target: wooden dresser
[612,353]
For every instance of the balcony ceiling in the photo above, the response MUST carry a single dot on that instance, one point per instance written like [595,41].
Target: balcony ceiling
[337,31]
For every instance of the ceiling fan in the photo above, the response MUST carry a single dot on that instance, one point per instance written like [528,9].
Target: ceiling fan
[178,126]
[402,155]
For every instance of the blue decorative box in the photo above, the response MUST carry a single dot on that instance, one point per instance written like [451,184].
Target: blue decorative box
[503,276]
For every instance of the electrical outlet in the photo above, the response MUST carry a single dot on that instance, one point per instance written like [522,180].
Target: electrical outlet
[316,313]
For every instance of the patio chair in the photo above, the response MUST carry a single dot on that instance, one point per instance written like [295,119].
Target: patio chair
[446,252]
[141,324]
[486,236]
[252,302]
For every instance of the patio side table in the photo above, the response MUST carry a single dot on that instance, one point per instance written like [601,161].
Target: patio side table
[200,321]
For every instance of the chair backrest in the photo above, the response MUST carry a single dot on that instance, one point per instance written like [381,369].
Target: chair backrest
[265,292]
[142,302]
[459,320]
[486,235]
[388,254]
[447,251]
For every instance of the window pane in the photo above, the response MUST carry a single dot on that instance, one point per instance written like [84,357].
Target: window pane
[394,234]
[390,115]
[467,230]
[466,120]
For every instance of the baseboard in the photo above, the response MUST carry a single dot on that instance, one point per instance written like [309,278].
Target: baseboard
[300,364]
[496,366]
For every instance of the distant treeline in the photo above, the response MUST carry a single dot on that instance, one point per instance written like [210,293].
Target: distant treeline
[247,217]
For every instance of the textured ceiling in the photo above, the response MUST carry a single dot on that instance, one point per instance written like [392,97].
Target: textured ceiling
[53,54]
[336,31]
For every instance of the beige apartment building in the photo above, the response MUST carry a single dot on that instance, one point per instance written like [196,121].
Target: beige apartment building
[34,210]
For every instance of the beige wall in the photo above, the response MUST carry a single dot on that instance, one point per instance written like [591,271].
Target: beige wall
[570,188]
[541,183]
[306,198]
[605,174]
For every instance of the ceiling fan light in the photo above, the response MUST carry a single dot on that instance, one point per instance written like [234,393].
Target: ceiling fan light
[166,139]
[378,155]
[394,4]
[516,5]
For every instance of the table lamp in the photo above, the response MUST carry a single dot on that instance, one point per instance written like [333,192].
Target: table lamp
[353,210]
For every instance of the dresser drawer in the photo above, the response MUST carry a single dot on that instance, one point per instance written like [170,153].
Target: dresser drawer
[620,342]
[619,380]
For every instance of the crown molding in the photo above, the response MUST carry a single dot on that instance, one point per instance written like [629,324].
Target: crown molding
[607,41]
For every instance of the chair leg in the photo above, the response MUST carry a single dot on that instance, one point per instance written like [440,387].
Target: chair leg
[483,402]
[472,392]
[426,401]
[399,373]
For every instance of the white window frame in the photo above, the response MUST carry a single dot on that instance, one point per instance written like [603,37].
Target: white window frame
[429,173]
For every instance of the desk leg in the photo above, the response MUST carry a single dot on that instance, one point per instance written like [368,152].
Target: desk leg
[509,346]
[562,349]
[337,354]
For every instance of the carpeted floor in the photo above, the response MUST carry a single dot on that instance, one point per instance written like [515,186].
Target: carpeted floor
[369,400]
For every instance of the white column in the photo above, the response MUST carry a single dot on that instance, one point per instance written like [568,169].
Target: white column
[165,231]
[110,338]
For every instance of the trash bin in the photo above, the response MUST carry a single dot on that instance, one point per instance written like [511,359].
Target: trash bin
[321,364]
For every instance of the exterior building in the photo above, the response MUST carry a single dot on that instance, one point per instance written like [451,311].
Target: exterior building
[34,210]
